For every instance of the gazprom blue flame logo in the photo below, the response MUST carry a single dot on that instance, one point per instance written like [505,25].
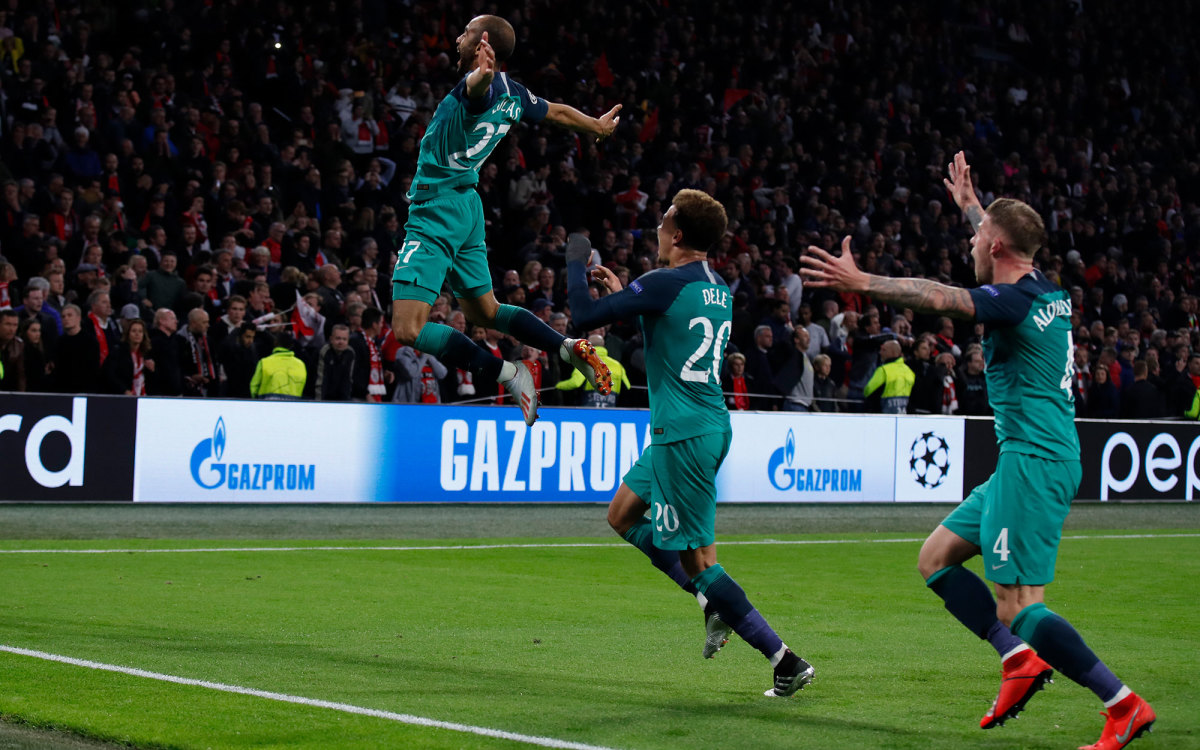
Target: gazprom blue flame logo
[210,450]
[785,453]
[808,477]
[210,470]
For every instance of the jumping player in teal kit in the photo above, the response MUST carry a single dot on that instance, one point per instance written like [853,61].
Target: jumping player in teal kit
[1015,518]
[685,312]
[444,234]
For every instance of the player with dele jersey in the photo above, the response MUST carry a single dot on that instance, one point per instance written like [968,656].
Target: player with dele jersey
[685,312]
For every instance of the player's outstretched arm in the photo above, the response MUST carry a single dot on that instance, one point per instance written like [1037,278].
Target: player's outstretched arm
[841,274]
[479,80]
[566,116]
[962,189]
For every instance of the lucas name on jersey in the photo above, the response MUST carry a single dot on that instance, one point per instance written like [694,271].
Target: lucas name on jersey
[509,107]
[1047,313]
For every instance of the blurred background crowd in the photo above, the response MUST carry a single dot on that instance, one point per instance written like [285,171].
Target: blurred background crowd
[207,198]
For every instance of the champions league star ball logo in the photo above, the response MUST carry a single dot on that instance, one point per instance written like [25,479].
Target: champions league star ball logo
[929,460]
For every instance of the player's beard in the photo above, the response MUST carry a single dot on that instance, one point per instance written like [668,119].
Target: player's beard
[466,63]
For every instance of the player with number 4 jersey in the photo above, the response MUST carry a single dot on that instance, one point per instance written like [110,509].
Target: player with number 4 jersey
[444,234]
[685,313]
[1015,518]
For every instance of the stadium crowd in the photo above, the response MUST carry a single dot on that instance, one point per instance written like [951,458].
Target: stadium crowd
[207,199]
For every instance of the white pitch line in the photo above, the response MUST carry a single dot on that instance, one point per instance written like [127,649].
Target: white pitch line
[313,702]
[548,545]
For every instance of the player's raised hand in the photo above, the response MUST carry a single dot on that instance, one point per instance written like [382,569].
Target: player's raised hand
[840,273]
[485,58]
[608,123]
[960,185]
[605,276]
[481,77]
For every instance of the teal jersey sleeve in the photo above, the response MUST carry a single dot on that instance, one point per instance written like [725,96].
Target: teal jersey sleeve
[686,317]
[633,301]
[1030,354]
[532,108]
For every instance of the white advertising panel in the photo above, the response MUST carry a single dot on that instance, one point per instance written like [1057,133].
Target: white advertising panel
[256,451]
[791,457]
[929,459]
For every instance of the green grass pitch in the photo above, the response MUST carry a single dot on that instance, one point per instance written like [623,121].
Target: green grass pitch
[585,644]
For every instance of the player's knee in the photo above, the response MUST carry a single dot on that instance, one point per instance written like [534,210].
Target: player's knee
[618,521]
[482,318]
[406,331]
[930,560]
[1007,611]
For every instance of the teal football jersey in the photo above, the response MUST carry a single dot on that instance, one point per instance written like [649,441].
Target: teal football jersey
[1030,356]
[464,132]
[686,317]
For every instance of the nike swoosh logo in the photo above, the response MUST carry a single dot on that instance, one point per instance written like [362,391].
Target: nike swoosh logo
[998,567]
[1122,738]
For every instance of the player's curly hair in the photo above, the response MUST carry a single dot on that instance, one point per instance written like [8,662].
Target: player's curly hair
[500,35]
[1022,225]
[701,219]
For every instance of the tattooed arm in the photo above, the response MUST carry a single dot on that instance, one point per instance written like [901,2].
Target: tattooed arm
[821,269]
[922,295]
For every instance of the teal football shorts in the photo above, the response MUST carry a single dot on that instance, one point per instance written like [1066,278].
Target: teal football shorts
[444,237]
[1016,517]
[678,481]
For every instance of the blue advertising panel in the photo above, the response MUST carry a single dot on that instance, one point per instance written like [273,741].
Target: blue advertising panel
[247,451]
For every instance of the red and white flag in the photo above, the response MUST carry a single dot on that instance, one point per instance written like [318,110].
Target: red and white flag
[307,323]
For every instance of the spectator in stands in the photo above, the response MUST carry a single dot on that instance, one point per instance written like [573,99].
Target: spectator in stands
[794,381]
[893,379]
[37,363]
[818,335]
[759,368]
[370,377]
[237,359]
[825,391]
[335,367]
[163,287]
[12,361]
[229,323]
[102,325]
[1142,400]
[418,375]
[77,359]
[196,364]
[279,376]
[735,383]
[167,377]
[129,363]
[33,306]
[1103,399]
[972,397]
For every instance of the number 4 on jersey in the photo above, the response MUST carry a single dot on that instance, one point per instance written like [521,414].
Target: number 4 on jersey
[1001,547]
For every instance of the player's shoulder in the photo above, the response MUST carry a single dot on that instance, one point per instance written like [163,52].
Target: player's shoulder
[655,280]
[510,86]
[1030,286]
[1036,283]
